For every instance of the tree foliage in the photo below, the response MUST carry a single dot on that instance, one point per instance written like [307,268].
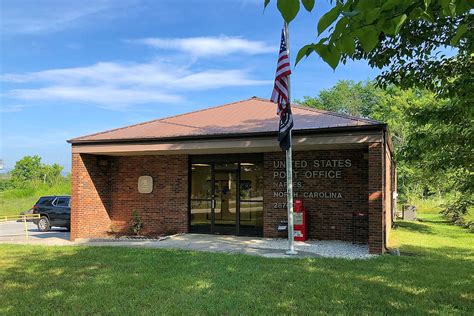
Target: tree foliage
[355,28]
[431,159]
[30,169]
[27,169]
[419,44]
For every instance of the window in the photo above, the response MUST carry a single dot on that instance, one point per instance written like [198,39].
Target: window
[62,202]
[45,200]
[251,182]
[251,195]
[201,194]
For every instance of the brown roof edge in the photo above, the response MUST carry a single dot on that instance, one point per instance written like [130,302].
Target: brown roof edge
[346,116]
[381,126]
[309,108]
[160,119]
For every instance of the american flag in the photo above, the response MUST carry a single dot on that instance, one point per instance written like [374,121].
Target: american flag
[281,94]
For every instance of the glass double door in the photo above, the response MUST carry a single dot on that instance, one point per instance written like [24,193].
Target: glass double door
[218,195]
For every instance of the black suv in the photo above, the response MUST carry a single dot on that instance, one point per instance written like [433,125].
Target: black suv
[54,211]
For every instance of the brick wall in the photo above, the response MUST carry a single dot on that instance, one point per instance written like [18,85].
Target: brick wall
[376,198]
[163,211]
[104,196]
[330,216]
[389,189]
[90,198]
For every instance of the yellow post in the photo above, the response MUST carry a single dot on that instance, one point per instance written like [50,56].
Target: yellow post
[26,227]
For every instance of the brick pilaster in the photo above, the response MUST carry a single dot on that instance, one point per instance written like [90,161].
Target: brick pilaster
[376,198]
[90,197]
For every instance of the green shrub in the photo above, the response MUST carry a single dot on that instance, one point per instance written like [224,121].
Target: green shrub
[458,209]
[428,206]
[136,224]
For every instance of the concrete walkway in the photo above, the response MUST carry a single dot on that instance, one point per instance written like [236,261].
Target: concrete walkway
[202,242]
[13,233]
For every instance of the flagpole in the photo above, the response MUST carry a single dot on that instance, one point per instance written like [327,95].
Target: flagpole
[289,169]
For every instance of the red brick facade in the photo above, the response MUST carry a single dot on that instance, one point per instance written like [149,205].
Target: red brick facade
[376,198]
[90,199]
[105,204]
[331,202]
[354,180]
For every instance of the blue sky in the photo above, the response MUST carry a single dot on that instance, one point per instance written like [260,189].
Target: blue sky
[70,68]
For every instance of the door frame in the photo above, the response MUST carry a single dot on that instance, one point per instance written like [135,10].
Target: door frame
[212,160]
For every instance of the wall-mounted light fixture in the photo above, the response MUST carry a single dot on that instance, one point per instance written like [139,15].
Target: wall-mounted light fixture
[103,163]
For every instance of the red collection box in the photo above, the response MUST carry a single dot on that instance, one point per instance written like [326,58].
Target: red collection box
[300,221]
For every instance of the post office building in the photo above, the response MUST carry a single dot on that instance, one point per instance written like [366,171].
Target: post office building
[220,171]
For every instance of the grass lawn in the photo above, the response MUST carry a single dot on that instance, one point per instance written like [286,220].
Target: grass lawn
[436,276]
[17,205]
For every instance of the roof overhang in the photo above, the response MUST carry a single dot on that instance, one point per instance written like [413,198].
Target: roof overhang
[323,139]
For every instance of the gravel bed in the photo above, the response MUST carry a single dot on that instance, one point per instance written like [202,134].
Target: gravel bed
[324,248]
[129,238]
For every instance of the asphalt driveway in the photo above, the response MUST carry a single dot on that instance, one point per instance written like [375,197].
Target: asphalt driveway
[14,232]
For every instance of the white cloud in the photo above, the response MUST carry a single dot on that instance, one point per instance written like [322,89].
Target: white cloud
[209,46]
[33,17]
[213,79]
[107,97]
[120,85]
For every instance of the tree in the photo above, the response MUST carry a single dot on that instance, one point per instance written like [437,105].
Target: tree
[398,34]
[443,138]
[423,44]
[365,99]
[347,97]
[30,169]
[51,173]
[419,43]
[27,169]
[424,166]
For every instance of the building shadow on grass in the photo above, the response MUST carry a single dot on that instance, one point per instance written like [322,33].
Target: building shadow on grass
[440,220]
[414,226]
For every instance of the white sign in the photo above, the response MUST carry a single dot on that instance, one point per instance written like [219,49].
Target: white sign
[145,184]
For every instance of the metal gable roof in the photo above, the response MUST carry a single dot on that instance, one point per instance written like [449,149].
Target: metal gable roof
[251,116]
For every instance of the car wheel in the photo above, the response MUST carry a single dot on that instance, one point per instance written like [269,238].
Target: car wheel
[43,224]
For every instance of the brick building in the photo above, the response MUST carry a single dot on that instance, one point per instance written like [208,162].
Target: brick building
[220,170]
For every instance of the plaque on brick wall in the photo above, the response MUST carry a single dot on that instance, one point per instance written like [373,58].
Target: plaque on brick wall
[145,184]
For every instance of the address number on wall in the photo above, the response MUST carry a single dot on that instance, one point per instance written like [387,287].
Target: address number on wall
[279,205]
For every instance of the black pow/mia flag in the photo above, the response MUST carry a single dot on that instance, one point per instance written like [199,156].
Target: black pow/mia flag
[284,129]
